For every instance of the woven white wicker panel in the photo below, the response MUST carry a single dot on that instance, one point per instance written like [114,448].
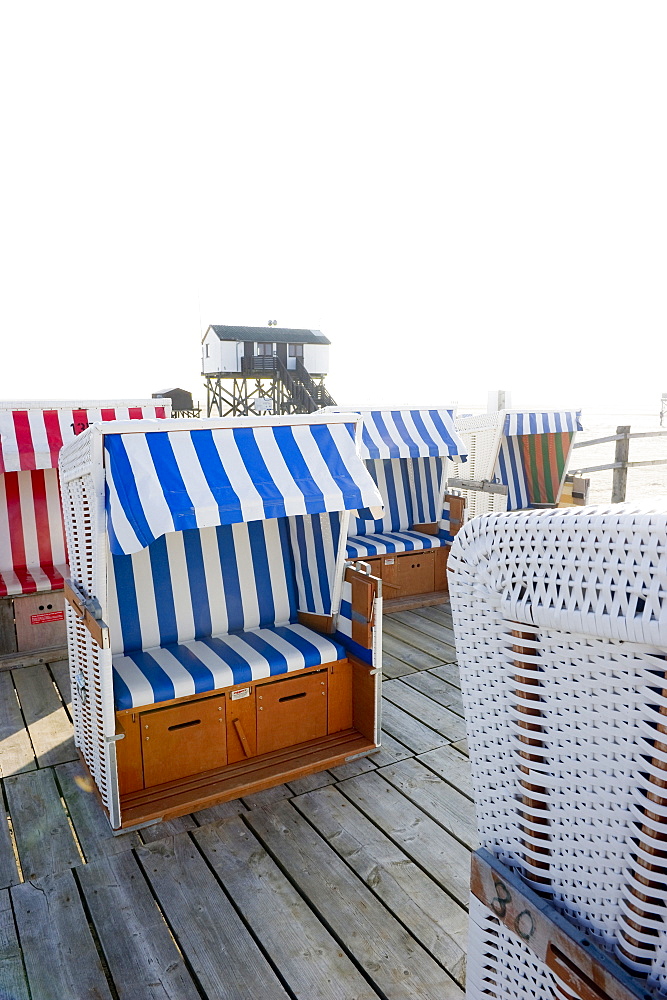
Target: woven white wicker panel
[481,436]
[90,666]
[561,627]
[500,964]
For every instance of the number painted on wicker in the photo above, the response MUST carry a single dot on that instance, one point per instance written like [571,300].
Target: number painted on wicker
[504,896]
[524,925]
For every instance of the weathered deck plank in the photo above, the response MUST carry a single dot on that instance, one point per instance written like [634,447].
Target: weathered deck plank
[138,947]
[425,643]
[168,828]
[443,633]
[422,839]
[422,906]
[9,874]
[390,751]
[448,672]
[431,713]
[223,810]
[437,689]
[400,966]
[393,667]
[223,956]
[408,730]
[90,822]
[408,654]
[60,954]
[440,613]
[13,982]
[16,752]
[451,765]
[43,836]
[47,721]
[308,957]
[439,800]
[60,671]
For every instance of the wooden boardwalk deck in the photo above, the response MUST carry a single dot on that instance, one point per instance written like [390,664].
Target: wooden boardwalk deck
[351,884]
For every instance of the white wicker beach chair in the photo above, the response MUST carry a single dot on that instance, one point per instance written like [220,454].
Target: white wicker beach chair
[561,628]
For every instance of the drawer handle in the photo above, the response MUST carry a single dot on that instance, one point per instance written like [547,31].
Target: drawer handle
[291,697]
[243,738]
[184,725]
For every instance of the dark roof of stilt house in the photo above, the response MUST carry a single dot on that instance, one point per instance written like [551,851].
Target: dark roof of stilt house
[269,334]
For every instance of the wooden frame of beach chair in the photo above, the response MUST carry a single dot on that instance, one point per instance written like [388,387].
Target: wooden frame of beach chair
[526,450]
[33,557]
[406,452]
[560,619]
[219,642]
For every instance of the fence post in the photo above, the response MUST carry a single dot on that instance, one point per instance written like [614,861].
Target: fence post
[621,475]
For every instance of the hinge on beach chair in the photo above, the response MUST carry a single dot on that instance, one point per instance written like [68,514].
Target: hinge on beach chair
[570,954]
[364,590]
[89,612]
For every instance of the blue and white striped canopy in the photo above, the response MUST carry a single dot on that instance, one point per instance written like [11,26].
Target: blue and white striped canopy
[409,433]
[548,422]
[160,481]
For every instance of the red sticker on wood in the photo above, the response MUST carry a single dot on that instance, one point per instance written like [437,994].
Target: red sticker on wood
[47,616]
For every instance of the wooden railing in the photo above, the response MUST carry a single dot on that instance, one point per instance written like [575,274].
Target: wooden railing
[620,465]
[259,363]
[305,393]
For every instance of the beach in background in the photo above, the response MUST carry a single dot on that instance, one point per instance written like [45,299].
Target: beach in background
[643,483]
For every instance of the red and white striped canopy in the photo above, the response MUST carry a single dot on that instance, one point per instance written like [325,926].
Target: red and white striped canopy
[32,539]
[32,433]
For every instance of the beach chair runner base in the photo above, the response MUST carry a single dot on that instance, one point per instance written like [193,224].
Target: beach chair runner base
[530,949]
[245,778]
[411,574]
[411,564]
[186,754]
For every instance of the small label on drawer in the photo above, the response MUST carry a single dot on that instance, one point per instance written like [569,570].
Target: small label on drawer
[47,616]
[240,693]
[389,562]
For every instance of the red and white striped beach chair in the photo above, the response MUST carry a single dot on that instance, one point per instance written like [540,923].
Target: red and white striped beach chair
[33,558]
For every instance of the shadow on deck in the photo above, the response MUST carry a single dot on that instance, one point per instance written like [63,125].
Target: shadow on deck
[348,884]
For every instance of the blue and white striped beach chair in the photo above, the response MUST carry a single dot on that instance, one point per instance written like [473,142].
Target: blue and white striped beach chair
[407,452]
[215,646]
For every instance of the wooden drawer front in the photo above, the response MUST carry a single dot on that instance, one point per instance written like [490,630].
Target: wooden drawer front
[183,740]
[415,573]
[40,621]
[291,711]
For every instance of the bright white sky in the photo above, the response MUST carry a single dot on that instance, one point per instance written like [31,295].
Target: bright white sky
[461,196]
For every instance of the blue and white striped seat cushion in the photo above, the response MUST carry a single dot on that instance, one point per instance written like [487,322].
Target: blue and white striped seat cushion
[149,676]
[360,546]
